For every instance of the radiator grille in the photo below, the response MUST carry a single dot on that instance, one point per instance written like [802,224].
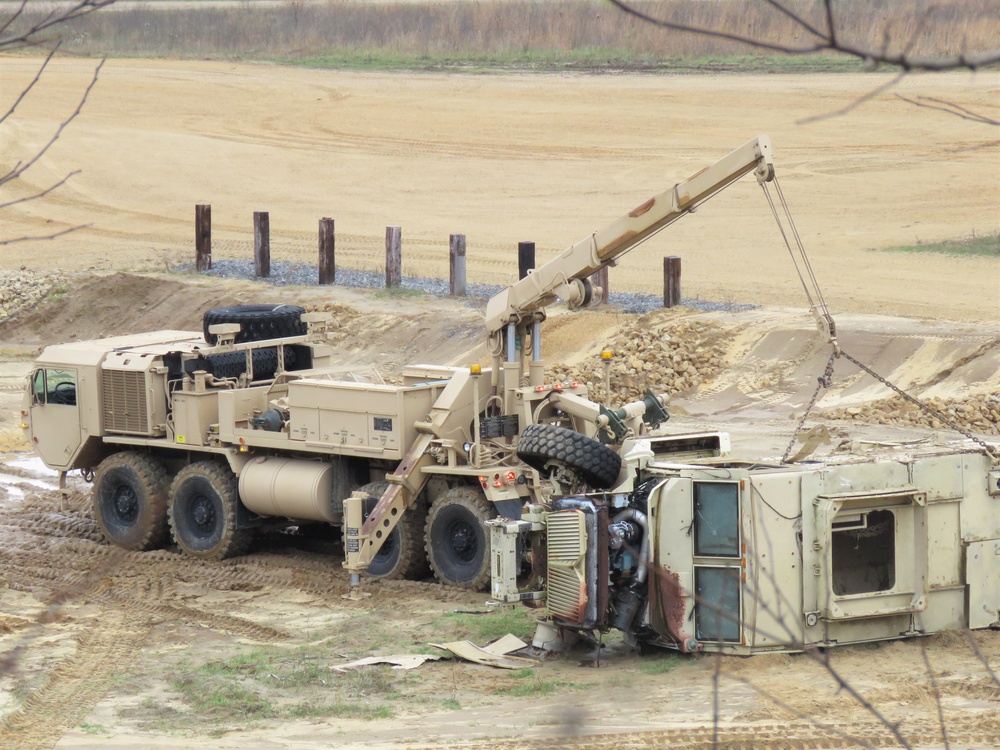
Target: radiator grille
[125,407]
[567,549]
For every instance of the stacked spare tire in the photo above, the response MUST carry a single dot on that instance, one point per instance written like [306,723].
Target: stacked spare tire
[257,323]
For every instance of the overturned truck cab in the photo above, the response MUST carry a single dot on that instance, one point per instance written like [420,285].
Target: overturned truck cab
[713,554]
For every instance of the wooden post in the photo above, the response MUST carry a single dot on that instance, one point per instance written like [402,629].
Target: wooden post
[393,257]
[456,256]
[261,244]
[327,264]
[525,258]
[671,281]
[203,237]
[600,279]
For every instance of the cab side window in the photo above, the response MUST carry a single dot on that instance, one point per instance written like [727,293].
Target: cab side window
[54,386]
[38,387]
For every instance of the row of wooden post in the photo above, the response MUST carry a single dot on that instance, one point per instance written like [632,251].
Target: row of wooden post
[394,257]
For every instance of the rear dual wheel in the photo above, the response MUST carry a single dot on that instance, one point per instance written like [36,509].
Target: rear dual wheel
[457,542]
[402,551]
[204,500]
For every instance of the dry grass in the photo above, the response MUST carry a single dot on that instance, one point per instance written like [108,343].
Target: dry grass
[350,34]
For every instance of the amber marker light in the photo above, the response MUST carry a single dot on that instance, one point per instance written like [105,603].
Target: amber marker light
[475,369]
[607,354]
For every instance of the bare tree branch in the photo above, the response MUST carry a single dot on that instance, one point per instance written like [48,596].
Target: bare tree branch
[27,89]
[950,107]
[857,102]
[31,36]
[13,174]
[826,41]
[42,194]
[52,236]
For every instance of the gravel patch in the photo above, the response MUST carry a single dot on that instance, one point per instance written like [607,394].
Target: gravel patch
[22,290]
[303,274]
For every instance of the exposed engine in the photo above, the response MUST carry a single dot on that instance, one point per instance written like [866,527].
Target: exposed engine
[598,555]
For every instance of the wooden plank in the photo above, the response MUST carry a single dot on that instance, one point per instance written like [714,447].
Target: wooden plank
[261,244]
[393,257]
[456,265]
[671,281]
[327,263]
[202,237]
[525,258]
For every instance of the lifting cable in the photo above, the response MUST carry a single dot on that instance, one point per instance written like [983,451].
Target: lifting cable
[818,306]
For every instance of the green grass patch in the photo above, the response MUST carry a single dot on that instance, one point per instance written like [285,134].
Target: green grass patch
[90,728]
[530,683]
[987,246]
[578,60]
[660,664]
[277,683]
[482,629]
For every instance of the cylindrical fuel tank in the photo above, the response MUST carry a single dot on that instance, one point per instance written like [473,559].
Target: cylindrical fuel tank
[291,487]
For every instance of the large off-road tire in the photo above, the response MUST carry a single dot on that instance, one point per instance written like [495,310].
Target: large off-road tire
[402,553]
[595,463]
[257,322]
[458,545]
[204,498]
[130,500]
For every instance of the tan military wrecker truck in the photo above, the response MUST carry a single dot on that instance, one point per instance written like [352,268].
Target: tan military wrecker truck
[206,437]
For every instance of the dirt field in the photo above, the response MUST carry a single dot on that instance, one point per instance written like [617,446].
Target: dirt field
[510,158]
[105,648]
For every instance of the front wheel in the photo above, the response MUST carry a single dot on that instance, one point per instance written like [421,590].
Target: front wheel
[204,498]
[457,541]
[130,501]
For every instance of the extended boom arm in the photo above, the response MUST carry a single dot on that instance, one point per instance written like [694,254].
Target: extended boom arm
[566,275]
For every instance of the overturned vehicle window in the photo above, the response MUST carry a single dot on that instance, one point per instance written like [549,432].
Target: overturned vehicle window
[864,552]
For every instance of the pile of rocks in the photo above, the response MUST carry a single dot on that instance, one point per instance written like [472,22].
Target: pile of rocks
[668,357]
[22,290]
[980,414]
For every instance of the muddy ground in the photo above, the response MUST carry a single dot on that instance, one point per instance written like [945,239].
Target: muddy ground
[106,648]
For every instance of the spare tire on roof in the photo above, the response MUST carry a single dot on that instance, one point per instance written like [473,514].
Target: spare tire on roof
[257,322]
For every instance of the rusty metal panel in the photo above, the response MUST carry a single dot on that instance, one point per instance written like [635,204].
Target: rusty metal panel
[567,548]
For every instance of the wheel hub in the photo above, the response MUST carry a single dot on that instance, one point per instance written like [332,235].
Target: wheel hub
[462,540]
[203,513]
[126,503]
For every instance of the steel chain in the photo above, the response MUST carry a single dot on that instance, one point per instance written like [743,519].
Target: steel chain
[825,380]
[920,404]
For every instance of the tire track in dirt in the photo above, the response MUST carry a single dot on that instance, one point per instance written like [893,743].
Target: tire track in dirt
[980,731]
[104,649]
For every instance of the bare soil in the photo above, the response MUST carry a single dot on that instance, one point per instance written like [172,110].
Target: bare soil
[106,648]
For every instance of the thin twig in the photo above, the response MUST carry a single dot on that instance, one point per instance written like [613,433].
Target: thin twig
[828,41]
[13,175]
[936,692]
[57,16]
[949,107]
[857,102]
[44,237]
